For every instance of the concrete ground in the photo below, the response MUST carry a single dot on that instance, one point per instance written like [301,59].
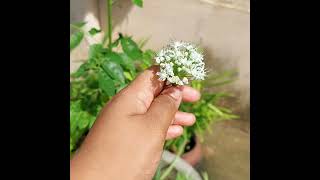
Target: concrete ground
[227,151]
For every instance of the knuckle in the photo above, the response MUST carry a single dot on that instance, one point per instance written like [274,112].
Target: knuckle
[171,103]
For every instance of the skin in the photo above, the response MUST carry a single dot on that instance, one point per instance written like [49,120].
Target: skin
[126,141]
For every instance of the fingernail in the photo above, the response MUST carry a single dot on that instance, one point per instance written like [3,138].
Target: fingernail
[197,94]
[176,129]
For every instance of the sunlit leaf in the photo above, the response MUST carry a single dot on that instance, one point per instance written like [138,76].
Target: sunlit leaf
[106,83]
[76,39]
[94,31]
[114,70]
[131,48]
[138,2]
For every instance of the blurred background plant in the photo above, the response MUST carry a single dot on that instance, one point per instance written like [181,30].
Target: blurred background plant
[111,65]
[207,112]
[104,74]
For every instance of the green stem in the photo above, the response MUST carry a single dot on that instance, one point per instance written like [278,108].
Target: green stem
[109,10]
[170,168]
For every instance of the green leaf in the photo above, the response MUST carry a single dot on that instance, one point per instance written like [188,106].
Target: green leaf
[131,48]
[78,24]
[74,109]
[217,110]
[75,39]
[84,120]
[71,144]
[79,123]
[91,123]
[115,43]
[106,83]
[138,2]
[94,31]
[113,56]
[95,50]
[82,69]
[149,54]
[128,76]
[114,70]
[147,57]
[128,64]
[220,83]
[121,87]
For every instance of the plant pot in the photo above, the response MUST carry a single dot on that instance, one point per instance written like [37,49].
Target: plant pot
[179,165]
[193,153]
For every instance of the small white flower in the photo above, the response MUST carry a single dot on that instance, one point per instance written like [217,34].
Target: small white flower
[158,60]
[180,58]
[185,80]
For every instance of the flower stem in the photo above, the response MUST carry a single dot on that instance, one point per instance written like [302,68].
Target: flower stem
[109,10]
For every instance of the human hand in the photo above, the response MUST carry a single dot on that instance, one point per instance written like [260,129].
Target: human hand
[126,141]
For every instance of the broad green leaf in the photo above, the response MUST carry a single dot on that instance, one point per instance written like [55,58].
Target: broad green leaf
[149,54]
[95,50]
[75,39]
[91,81]
[106,83]
[131,48]
[138,2]
[82,69]
[147,57]
[123,60]
[113,56]
[114,70]
[94,31]
[127,63]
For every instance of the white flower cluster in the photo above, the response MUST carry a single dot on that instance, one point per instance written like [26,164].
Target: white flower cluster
[180,62]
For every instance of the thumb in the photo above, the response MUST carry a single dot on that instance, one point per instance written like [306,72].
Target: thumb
[164,107]
[139,94]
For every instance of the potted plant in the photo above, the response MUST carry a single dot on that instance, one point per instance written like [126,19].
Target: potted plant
[207,112]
